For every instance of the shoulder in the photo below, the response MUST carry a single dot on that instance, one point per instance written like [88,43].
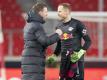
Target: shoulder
[76,20]
[36,25]
[29,27]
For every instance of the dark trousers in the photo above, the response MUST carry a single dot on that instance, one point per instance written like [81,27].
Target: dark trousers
[80,72]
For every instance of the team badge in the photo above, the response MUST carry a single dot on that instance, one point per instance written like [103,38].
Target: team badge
[70,28]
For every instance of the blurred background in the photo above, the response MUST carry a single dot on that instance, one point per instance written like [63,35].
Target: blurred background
[12,20]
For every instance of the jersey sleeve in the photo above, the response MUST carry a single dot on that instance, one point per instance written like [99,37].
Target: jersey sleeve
[84,34]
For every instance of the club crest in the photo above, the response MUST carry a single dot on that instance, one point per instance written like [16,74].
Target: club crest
[70,29]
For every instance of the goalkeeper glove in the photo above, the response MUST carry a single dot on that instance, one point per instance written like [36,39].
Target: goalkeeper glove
[52,59]
[77,55]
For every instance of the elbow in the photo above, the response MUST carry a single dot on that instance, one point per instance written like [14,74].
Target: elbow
[90,42]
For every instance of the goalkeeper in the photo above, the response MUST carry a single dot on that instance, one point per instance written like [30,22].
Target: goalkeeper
[69,45]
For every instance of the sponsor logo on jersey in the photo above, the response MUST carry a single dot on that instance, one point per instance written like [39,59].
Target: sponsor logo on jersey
[84,31]
[66,36]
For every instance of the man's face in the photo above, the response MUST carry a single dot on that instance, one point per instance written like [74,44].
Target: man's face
[44,13]
[63,13]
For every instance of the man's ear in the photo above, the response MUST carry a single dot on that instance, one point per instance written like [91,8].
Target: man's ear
[40,13]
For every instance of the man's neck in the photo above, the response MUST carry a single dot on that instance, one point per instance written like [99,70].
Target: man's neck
[67,19]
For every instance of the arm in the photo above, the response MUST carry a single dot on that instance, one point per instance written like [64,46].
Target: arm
[45,40]
[58,48]
[84,34]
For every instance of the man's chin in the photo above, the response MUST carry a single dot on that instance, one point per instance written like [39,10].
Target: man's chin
[61,19]
[45,19]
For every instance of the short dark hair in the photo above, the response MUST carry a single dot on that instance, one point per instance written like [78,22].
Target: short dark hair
[65,5]
[38,7]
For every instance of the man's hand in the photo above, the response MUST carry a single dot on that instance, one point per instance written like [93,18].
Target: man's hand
[59,32]
[77,55]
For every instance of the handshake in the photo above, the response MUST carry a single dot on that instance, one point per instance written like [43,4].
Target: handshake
[59,32]
[77,55]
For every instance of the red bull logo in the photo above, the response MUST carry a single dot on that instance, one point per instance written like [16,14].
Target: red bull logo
[66,36]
